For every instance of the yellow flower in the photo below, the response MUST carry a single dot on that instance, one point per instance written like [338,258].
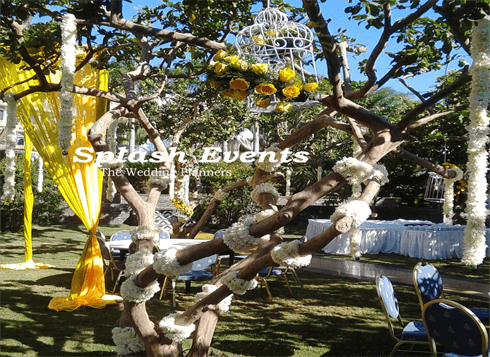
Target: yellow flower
[258,39]
[220,55]
[260,68]
[192,19]
[215,84]
[263,102]
[239,83]
[265,88]
[283,107]
[291,92]
[234,60]
[243,65]
[235,94]
[286,74]
[220,68]
[310,87]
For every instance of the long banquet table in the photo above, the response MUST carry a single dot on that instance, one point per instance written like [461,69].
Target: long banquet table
[415,238]
[163,244]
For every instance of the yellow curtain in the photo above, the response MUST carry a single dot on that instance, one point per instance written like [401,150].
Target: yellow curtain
[28,198]
[79,183]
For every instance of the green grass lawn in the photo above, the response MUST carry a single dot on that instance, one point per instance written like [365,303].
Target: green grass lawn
[330,316]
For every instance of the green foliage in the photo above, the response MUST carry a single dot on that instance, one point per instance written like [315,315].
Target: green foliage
[46,203]
[217,175]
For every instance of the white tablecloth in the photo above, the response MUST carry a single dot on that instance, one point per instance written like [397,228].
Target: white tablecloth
[436,242]
[163,244]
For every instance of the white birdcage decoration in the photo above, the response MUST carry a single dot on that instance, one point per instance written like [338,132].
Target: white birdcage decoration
[278,42]
[434,191]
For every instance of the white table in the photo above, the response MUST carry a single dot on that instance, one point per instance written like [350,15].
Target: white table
[436,242]
[376,236]
[178,243]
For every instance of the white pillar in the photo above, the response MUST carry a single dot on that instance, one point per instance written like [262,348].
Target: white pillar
[256,137]
[40,174]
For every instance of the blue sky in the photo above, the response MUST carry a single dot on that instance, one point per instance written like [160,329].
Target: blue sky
[334,10]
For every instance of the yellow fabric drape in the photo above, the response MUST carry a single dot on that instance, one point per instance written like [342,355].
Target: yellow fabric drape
[28,198]
[79,183]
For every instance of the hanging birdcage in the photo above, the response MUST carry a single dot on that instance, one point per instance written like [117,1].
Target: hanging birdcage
[434,191]
[279,43]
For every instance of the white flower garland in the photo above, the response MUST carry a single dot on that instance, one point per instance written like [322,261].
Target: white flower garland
[267,165]
[127,341]
[146,233]
[478,129]
[238,237]
[353,170]
[131,292]
[359,211]
[267,213]
[137,262]
[236,285]
[380,173]
[287,254]
[223,306]
[10,142]
[175,332]
[449,194]
[158,181]
[113,165]
[220,195]
[166,263]
[265,187]
[68,62]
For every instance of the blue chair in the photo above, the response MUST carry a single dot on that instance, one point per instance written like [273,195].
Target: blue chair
[413,333]
[428,285]
[274,271]
[199,272]
[456,328]
[122,235]
[164,235]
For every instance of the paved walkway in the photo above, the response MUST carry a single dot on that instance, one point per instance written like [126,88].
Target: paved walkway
[476,289]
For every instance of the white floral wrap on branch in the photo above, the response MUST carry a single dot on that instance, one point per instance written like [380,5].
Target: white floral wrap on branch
[449,193]
[137,262]
[68,62]
[158,181]
[238,237]
[474,235]
[265,187]
[287,254]
[223,306]
[146,233]
[236,285]
[166,263]
[269,165]
[113,165]
[380,173]
[175,332]
[10,142]
[359,211]
[220,195]
[131,292]
[127,341]
[267,213]
[353,170]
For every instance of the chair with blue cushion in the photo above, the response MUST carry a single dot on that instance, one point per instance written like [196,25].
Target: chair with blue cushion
[456,328]
[428,285]
[122,235]
[413,333]
[199,272]
[274,271]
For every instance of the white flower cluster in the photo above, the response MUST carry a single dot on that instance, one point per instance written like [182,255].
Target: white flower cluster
[223,306]
[10,142]
[127,341]
[175,332]
[131,292]
[236,285]
[478,129]
[68,62]
[353,170]
[359,211]
[267,213]
[113,165]
[238,237]
[137,262]
[287,254]
[111,190]
[158,181]
[146,233]
[269,165]
[167,264]
[380,173]
[220,195]
[449,194]
[265,187]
